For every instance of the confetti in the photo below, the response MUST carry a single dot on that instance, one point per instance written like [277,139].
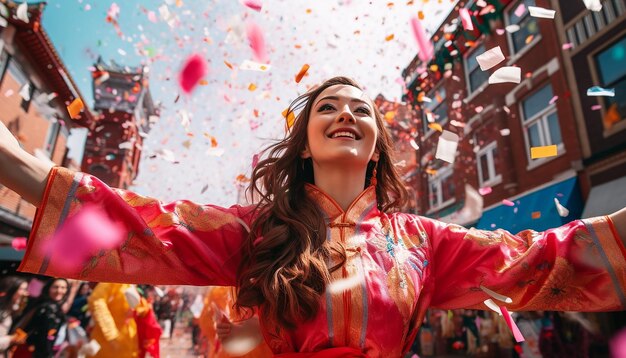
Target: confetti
[535,215]
[256,41]
[496,295]
[25,92]
[446,147]
[193,71]
[75,108]
[291,118]
[251,87]
[521,10]
[541,13]
[543,152]
[506,74]
[22,12]
[19,243]
[493,306]
[255,5]
[593,5]
[505,132]
[344,284]
[512,29]
[426,49]
[248,65]
[563,211]
[466,19]
[485,190]
[508,202]
[435,126]
[302,72]
[490,58]
[553,100]
[413,144]
[599,91]
[389,37]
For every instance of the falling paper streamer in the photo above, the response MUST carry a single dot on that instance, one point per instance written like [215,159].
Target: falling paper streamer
[542,13]
[82,236]
[426,49]
[255,5]
[593,5]
[344,284]
[496,295]
[508,202]
[506,74]
[563,211]
[256,41]
[512,326]
[302,72]
[490,58]
[543,152]
[193,71]
[485,190]
[75,108]
[599,91]
[466,19]
[447,145]
[248,65]
[22,12]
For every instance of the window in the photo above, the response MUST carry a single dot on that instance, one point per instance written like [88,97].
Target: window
[22,81]
[441,188]
[436,110]
[485,157]
[51,137]
[528,26]
[612,73]
[540,121]
[475,76]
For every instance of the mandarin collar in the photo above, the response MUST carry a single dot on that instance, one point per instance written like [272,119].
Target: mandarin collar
[362,205]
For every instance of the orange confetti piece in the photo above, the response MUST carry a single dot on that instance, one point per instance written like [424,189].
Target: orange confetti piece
[228,64]
[179,3]
[529,39]
[435,126]
[203,82]
[291,118]
[390,5]
[543,152]
[213,142]
[252,87]
[389,38]
[75,108]
[434,68]
[389,116]
[420,15]
[302,72]
[536,214]
[308,11]
[431,171]
[256,113]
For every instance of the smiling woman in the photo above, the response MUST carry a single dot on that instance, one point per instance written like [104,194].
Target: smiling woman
[329,266]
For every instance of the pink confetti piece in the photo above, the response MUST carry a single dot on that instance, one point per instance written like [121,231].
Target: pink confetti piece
[508,202]
[256,41]
[81,237]
[19,243]
[466,19]
[255,5]
[512,326]
[490,58]
[553,100]
[596,107]
[193,71]
[521,9]
[426,49]
[484,191]
[567,46]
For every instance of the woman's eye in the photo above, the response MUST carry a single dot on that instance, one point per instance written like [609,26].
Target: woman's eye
[363,110]
[326,107]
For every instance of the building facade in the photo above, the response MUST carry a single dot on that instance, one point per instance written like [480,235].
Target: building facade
[35,90]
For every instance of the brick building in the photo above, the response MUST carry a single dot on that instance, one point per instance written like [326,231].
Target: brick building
[597,57]
[499,123]
[126,114]
[35,89]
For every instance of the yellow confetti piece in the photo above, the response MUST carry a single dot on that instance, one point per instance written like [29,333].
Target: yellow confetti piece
[291,118]
[389,116]
[434,68]
[308,11]
[252,87]
[389,37]
[435,126]
[543,152]
[302,72]
[75,108]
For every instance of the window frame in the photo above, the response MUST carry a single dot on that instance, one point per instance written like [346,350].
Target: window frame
[495,178]
[425,121]
[468,78]
[597,77]
[443,173]
[507,22]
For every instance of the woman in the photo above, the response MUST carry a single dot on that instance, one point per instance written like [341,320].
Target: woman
[329,266]
[43,319]
[13,293]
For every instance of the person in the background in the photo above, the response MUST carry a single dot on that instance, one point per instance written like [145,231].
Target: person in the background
[148,329]
[115,329]
[42,320]
[13,293]
[79,309]
[167,311]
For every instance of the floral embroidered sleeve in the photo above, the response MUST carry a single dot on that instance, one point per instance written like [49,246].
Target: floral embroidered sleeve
[580,266]
[176,243]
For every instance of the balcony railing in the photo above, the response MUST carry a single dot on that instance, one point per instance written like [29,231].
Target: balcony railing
[580,31]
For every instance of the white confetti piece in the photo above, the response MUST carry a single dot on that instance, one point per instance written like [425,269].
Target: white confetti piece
[446,147]
[248,65]
[492,306]
[505,132]
[563,212]
[541,13]
[593,5]
[344,284]
[25,92]
[599,91]
[496,295]
[22,12]
[512,28]
[506,74]
[490,58]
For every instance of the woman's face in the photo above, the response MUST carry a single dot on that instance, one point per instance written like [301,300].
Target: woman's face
[58,290]
[342,128]
[20,294]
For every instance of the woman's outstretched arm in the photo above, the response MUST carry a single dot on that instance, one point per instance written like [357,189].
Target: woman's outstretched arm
[619,220]
[20,171]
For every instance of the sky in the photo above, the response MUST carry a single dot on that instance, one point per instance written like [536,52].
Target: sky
[334,37]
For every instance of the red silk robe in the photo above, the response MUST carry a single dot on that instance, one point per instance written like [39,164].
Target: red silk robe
[404,263]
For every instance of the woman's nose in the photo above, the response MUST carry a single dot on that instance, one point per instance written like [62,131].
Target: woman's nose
[346,116]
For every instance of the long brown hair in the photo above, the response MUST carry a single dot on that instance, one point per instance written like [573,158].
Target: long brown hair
[284,268]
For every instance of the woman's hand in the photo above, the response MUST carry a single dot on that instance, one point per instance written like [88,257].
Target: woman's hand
[20,171]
